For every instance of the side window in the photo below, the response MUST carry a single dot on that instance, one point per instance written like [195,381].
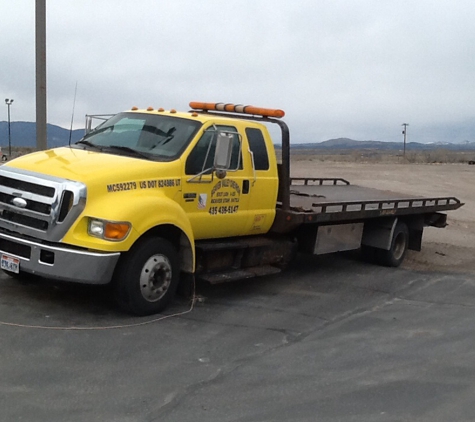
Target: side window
[258,148]
[202,155]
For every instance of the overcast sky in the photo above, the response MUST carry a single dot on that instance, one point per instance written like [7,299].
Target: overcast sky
[339,68]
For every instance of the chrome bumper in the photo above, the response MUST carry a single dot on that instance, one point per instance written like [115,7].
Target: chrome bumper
[60,263]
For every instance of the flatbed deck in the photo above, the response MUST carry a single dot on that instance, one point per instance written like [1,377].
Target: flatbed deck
[324,200]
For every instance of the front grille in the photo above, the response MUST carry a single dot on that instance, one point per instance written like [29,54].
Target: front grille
[27,186]
[66,205]
[31,205]
[37,205]
[25,220]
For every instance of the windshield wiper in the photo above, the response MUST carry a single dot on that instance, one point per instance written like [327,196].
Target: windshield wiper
[168,137]
[128,149]
[89,144]
[162,142]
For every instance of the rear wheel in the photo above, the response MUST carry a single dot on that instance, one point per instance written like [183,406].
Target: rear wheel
[395,255]
[146,279]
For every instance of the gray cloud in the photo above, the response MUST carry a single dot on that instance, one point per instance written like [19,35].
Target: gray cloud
[338,68]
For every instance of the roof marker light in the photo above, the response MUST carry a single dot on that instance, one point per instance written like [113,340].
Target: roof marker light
[149,108]
[134,108]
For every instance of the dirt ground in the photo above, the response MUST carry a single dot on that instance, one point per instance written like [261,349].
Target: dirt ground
[449,249]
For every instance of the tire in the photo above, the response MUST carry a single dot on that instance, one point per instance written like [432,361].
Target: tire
[399,243]
[4,157]
[146,279]
[186,286]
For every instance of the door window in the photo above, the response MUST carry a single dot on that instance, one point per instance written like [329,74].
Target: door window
[202,156]
[258,148]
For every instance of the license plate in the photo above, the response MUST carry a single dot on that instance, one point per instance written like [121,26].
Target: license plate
[10,264]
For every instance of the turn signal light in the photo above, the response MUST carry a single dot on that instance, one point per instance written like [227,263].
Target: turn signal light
[116,231]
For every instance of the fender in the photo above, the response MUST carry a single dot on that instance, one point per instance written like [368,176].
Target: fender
[144,213]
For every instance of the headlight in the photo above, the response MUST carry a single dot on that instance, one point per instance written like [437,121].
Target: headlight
[108,230]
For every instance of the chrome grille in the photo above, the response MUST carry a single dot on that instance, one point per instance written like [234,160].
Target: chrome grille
[31,205]
[26,186]
[39,205]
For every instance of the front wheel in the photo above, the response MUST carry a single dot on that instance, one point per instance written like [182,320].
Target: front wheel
[146,278]
[395,255]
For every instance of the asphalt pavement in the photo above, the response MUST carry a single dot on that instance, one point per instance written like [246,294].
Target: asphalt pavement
[331,339]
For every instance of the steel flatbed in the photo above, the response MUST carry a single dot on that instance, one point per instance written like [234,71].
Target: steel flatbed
[333,200]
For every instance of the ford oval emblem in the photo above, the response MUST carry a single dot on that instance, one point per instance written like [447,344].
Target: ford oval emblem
[19,202]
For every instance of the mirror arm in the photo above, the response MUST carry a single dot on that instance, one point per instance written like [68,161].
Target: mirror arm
[200,175]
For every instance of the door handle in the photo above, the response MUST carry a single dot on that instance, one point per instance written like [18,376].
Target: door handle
[245,186]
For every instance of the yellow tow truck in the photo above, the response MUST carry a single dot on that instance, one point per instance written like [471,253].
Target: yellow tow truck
[152,196]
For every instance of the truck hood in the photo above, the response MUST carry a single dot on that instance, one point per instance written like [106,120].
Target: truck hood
[89,166]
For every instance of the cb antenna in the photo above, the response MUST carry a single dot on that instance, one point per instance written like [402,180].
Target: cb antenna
[72,116]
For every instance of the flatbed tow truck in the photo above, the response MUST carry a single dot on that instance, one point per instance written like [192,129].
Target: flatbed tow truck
[151,197]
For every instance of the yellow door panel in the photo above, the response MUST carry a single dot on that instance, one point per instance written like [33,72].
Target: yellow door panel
[216,207]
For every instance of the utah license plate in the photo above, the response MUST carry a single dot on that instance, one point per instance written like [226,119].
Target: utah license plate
[10,264]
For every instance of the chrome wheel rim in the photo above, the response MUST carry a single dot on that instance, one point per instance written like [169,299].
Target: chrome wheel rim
[399,246]
[155,278]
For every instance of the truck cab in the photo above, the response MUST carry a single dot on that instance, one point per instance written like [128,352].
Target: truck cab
[80,213]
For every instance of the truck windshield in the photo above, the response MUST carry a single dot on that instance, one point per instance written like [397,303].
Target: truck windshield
[157,137]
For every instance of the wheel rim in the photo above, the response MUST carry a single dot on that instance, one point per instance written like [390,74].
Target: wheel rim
[399,246]
[155,278]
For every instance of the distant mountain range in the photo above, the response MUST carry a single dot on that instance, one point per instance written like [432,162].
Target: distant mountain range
[23,134]
[351,144]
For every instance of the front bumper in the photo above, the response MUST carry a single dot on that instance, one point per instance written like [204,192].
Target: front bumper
[60,263]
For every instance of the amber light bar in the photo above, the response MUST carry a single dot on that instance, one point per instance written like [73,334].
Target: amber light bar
[238,108]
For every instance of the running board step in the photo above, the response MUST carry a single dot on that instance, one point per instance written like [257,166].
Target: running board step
[233,243]
[234,275]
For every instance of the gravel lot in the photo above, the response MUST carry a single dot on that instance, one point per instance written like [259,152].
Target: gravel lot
[332,339]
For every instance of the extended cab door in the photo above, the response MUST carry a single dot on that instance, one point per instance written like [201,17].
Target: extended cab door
[264,182]
[217,207]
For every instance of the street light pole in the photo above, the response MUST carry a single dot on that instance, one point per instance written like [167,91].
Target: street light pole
[404,132]
[9,102]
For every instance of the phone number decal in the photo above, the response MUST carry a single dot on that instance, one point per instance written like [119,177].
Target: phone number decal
[224,210]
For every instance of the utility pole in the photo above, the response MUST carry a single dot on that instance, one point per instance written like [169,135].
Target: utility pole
[40,33]
[9,102]
[404,132]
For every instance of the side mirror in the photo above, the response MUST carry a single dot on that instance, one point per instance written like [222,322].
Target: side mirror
[224,149]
